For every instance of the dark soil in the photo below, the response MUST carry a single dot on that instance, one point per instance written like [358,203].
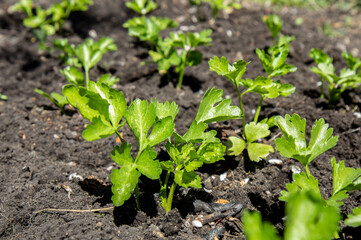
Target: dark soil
[41,147]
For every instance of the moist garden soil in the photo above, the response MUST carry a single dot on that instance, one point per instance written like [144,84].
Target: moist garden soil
[41,147]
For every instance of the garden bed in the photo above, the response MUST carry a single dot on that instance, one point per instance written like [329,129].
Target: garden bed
[41,147]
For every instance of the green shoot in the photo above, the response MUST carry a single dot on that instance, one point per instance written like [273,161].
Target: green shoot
[187,44]
[265,87]
[179,51]
[348,78]
[46,22]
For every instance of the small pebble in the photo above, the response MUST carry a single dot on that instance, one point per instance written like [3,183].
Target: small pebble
[229,33]
[92,33]
[357,114]
[197,224]
[275,161]
[75,175]
[222,177]
[295,169]
[56,136]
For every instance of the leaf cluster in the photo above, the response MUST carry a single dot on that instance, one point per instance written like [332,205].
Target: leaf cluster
[178,50]
[349,77]
[46,22]
[293,145]
[266,87]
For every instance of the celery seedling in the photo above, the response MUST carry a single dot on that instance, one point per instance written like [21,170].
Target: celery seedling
[148,29]
[86,55]
[349,77]
[196,147]
[187,44]
[46,22]
[274,24]
[293,143]
[265,87]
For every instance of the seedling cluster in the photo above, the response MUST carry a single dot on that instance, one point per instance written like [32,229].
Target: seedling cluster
[153,123]
[348,78]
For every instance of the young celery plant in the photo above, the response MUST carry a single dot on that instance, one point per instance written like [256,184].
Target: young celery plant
[46,22]
[196,147]
[349,77]
[86,55]
[293,145]
[104,107]
[274,24]
[146,29]
[187,44]
[265,86]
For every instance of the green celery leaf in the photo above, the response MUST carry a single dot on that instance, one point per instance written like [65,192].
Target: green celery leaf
[319,56]
[344,177]
[255,229]
[193,165]
[194,57]
[211,152]
[124,181]
[196,134]
[167,165]
[187,179]
[60,99]
[162,129]
[121,155]
[166,109]
[233,72]
[235,146]
[86,102]
[207,112]
[108,79]
[254,131]
[116,101]
[354,219]
[274,24]
[321,139]
[308,218]
[97,130]
[256,151]
[293,143]
[336,200]
[140,118]
[73,75]
[301,183]
[147,165]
